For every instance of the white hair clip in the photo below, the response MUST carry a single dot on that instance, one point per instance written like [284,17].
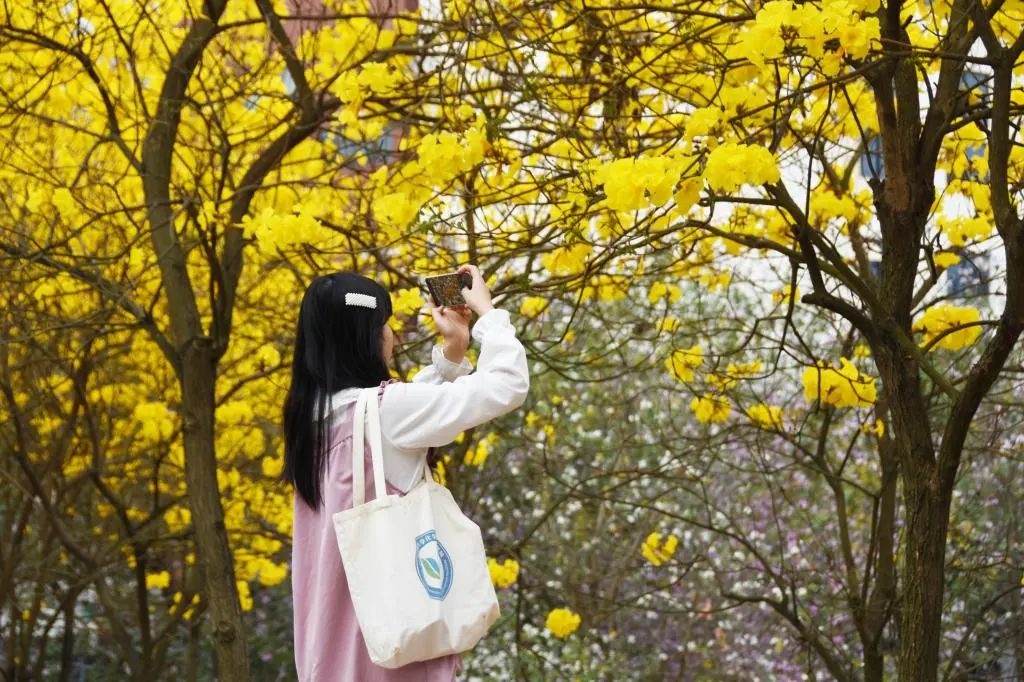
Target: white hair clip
[364,300]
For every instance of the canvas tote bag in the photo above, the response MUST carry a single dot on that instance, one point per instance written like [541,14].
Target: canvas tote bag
[416,565]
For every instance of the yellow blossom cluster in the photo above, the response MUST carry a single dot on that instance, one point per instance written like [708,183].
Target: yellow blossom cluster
[660,290]
[477,455]
[684,361]
[158,581]
[765,416]
[786,294]
[440,472]
[567,260]
[406,301]
[632,184]
[658,551]
[273,230]
[156,422]
[668,324]
[533,306]
[878,428]
[503,574]
[732,165]
[711,408]
[562,622]
[962,230]
[843,386]
[945,321]
[827,33]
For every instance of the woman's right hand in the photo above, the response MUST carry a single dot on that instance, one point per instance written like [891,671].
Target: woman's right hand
[478,297]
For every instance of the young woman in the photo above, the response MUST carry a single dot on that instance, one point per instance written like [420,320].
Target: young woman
[344,344]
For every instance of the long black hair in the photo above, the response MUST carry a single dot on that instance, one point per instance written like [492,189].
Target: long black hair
[337,346]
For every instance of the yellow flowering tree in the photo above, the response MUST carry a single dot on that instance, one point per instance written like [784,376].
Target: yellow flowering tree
[720,203]
[150,146]
[797,140]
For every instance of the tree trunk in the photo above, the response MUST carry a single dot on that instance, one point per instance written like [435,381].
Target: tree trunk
[926,503]
[193,356]
[927,508]
[217,572]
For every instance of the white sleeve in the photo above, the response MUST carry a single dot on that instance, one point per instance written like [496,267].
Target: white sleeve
[420,415]
[442,369]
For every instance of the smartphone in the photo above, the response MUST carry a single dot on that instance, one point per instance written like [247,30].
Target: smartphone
[446,290]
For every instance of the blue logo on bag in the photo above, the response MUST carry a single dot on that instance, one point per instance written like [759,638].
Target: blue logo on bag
[433,565]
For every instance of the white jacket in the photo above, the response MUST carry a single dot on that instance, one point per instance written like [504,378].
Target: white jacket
[444,399]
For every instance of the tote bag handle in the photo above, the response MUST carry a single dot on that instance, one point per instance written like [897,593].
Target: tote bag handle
[367,409]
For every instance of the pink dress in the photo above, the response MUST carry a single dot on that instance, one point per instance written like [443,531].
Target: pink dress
[328,644]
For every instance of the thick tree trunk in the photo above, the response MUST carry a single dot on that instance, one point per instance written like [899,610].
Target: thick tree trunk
[194,355]
[927,509]
[926,503]
[217,572]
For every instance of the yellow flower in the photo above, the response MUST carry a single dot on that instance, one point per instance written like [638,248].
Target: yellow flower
[533,306]
[244,596]
[448,154]
[760,42]
[156,581]
[683,361]
[878,428]
[503,574]
[567,260]
[562,622]
[178,518]
[842,386]
[631,184]
[744,370]
[272,466]
[668,324]
[701,122]
[156,422]
[268,356]
[731,165]
[710,408]
[656,551]
[857,37]
[476,456]
[765,416]
[189,611]
[785,294]
[660,290]
[960,231]
[721,382]
[395,210]
[942,317]
[439,475]
[945,259]
[688,194]
[271,574]
[278,230]
[407,301]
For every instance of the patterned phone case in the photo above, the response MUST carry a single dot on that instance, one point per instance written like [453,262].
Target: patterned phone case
[446,290]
